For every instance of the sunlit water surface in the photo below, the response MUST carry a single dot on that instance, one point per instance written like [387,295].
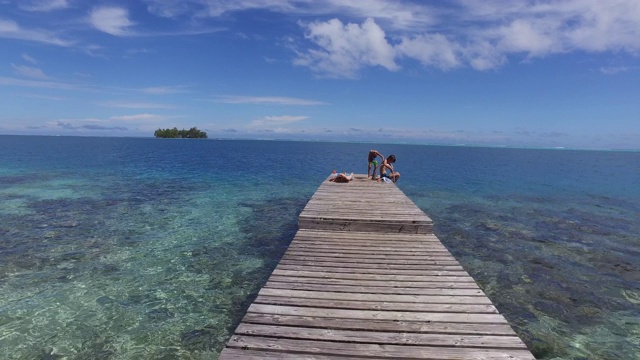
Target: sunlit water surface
[116,248]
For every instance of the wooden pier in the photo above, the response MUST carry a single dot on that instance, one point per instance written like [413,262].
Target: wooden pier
[365,278]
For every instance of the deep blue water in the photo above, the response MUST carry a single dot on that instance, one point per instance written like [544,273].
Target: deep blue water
[152,248]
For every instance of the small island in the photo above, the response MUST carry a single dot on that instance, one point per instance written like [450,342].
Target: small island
[174,133]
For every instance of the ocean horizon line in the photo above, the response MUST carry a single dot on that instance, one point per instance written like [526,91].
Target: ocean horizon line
[471,145]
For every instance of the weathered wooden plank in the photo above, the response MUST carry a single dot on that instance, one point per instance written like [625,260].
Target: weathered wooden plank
[379,240]
[369,249]
[373,350]
[246,354]
[341,225]
[422,299]
[379,325]
[380,337]
[377,305]
[366,245]
[389,245]
[371,256]
[351,270]
[378,315]
[379,288]
[320,234]
[377,260]
[399,246]
[462,289]
[388,218]
[383,241]
[365,250]
[378,277]
[428,283]
[329,263]
[379,216]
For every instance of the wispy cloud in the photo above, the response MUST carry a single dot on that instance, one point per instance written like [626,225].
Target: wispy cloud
[111,20]
[138,117]
[37,84]
[137,122]
[90,124]
[12,30]
[612,70]
[270,121]
[30,72]
[44,97]
[398,15]
[164,90]
[44,5]
[275,100]
[136,105]
[29,59]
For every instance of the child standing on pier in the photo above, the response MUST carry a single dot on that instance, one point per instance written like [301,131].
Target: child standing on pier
[373,162]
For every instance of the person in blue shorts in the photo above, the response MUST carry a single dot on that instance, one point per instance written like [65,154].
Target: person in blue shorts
[373,163]
[387,164]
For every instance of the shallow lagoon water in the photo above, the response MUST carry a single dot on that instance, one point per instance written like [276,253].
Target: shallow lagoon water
[114,248]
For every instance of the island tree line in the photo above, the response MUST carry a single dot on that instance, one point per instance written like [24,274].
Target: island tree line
[174,133]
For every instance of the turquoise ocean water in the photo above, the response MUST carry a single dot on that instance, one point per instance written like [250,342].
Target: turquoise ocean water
[123,248]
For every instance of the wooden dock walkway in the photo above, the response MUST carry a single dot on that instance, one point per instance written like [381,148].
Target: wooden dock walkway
[365,278]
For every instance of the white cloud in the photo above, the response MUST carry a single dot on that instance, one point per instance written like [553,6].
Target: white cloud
[83,125]
[37,84]
[29,59]
[111,20]
[163,90]
[284,119]
[605,26]
[8,26]
[431,50]
[544,28]
[30,72]
[612,70]
[276,100]
[534,37]
[44,97]
[215,8]
[45,5]
[482,55]
[136,105]
[386,33]
[397,15]
[11,30]
[277,120]
[342,50]
[137,117]
[136,122]
[480,34]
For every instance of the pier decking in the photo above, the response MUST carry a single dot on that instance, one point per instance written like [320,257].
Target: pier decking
[365,278]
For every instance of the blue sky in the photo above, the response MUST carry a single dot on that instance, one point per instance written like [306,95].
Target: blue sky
[513,73]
